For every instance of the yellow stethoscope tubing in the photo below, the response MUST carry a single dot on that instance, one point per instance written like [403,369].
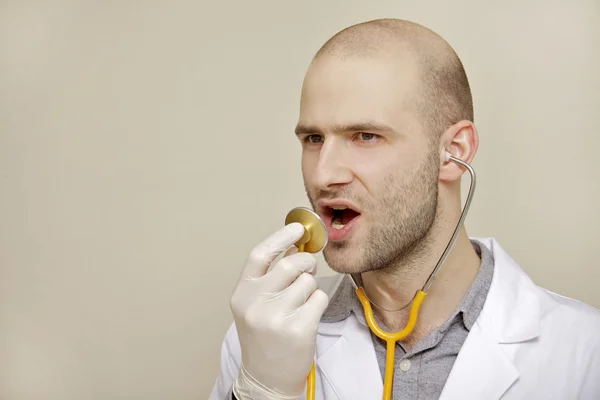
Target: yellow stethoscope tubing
[392,338]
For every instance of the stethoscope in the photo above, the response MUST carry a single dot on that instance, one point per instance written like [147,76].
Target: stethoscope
[315,238]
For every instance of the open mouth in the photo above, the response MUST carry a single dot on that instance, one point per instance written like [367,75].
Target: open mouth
[340,216]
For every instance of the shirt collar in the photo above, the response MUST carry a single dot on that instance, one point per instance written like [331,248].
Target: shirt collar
[344,301]
[472,304]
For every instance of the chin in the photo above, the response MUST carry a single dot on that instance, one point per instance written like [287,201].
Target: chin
[343,258]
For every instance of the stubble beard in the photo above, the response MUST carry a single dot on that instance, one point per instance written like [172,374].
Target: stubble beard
[401,224]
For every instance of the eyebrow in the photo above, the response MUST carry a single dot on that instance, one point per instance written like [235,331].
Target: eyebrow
[367,126]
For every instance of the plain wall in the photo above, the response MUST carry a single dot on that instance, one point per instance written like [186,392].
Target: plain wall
[146,147]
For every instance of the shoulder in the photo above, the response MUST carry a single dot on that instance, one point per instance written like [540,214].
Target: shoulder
[329,283]
[570,315]
[558,313]
[572,306]
[569,332]
[552,340]
[514,293]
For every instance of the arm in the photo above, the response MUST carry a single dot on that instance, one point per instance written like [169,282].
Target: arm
[590,388]
[230,366]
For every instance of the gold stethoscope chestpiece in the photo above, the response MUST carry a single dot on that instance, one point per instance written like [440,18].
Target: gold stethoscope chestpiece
[315,232]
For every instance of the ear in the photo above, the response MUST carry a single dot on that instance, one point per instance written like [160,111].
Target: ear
[461,141]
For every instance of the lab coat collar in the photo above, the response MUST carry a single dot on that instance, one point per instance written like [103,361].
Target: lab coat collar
[483,369]
[512,309]
[511,312]
[345,357]
[347,362]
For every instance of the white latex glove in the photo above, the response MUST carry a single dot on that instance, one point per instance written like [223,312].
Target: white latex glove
[276,314]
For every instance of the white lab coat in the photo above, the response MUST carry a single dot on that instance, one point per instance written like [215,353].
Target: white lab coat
[528,343]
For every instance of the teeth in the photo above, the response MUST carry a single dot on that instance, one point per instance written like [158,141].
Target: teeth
[336,222]
[337,225]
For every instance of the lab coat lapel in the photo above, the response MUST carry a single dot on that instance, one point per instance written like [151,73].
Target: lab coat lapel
[484,368]
[481,370]
[346,361]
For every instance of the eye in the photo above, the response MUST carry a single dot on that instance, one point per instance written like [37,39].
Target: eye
[314,139]
[367,137]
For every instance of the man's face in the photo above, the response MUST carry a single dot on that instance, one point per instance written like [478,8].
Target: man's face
[370,171]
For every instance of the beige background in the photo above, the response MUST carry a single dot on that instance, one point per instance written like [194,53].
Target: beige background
[145,149]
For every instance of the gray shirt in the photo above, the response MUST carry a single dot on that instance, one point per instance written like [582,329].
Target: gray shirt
[421,372]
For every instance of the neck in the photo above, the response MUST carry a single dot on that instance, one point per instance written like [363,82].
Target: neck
[392,288]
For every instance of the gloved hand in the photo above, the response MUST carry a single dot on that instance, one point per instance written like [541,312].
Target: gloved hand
[276,313]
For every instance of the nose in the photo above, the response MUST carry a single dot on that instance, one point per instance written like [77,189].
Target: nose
[332,168]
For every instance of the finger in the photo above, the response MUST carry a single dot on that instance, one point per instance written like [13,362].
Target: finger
[286,270]
[314,307]
[263,255]
[299,291]
[291,251]
[305,262]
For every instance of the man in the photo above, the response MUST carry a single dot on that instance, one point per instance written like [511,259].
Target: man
[381,105]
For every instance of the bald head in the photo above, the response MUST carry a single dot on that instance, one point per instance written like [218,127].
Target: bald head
[442,95]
